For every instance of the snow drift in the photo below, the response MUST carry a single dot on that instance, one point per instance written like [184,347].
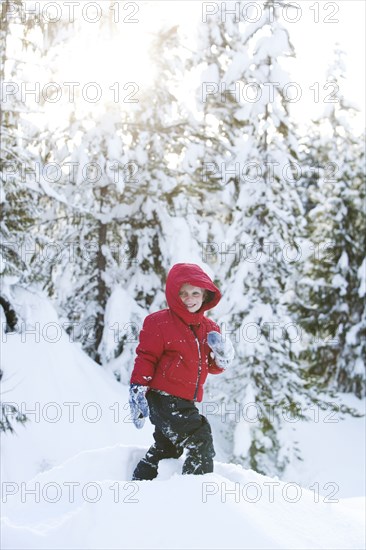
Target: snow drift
[88,502]
[66,473]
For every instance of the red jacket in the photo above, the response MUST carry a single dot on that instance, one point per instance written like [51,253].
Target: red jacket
[173,354]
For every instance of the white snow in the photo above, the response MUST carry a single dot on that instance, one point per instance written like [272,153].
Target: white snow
[239,62]
[66,473]
[210,74]
[231,508]
[362,276]
[331,448]
[122,316]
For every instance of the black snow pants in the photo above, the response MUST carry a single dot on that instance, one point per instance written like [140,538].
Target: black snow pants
[178,426]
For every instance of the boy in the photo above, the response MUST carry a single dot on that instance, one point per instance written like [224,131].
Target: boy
[177,349]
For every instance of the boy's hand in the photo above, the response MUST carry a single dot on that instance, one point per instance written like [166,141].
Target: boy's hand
[138,404]
[222,348]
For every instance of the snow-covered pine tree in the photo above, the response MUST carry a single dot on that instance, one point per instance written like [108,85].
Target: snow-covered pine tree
[91,242]
[18,209]
[207,140]
[217,61]
[211,160]
[259,251]
[330,295]
[56,112]
[18,193]
[36,111]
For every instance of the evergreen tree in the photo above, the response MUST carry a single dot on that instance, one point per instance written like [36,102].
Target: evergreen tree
[218,136]
[18,210]
[330,292]
[87,262]
[259,254]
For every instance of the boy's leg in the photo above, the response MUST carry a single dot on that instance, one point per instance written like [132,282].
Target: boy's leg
[200,449]
[147,468]
[180,421]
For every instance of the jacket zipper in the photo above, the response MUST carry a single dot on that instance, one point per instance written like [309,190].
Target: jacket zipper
[199,364]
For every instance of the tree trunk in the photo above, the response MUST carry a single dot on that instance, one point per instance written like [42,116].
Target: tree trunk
[102,289]
[10,315]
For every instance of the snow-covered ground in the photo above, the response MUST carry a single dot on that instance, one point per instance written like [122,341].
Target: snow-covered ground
[88,502]
[66,473]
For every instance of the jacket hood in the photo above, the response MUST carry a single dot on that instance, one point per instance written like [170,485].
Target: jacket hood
[191,274]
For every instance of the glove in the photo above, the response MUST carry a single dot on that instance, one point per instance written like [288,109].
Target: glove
[138,404]
[222,348]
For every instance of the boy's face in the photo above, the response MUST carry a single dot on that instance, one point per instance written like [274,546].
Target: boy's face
[192,297]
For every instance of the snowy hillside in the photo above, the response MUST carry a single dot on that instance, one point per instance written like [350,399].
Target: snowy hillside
[66,473]
[231,508]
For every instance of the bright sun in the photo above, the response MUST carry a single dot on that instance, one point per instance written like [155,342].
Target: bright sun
[102,64]
[116,54]
[114,62]
[109,61]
